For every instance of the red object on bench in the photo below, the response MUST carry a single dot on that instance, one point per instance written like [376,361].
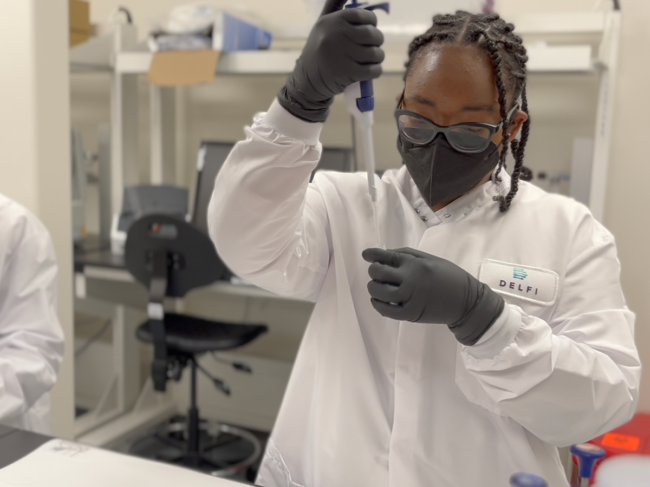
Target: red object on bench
[631,438]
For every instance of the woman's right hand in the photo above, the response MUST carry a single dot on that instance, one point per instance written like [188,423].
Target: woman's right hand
[342,48]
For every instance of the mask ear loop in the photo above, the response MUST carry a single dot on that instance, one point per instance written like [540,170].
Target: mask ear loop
[496,180]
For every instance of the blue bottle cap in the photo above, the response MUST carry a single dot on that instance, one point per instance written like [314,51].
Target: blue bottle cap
[527,480]
[588,454]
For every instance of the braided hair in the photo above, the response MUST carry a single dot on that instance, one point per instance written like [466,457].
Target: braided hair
[509,59]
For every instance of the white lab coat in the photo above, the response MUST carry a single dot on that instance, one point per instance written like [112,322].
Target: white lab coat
[31,338]
[375,402]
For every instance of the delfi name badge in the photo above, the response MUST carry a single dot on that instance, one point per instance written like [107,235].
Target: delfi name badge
[532,284]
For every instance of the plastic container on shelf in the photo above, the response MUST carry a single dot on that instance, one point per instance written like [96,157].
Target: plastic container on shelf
[204,26]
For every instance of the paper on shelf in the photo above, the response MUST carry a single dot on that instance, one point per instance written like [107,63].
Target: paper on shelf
[60,463]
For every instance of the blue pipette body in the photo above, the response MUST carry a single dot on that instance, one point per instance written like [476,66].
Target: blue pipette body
[366,102]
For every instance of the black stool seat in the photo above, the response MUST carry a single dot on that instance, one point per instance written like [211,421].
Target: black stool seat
[193,335]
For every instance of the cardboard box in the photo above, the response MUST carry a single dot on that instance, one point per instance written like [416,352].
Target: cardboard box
[80,16]
[77,37]
[80,26]
[184,68]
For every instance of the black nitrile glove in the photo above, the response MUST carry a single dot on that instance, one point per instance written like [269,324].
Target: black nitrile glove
[409,285]
[342,48]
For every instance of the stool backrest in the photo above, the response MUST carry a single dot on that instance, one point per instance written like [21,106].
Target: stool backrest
[192,259]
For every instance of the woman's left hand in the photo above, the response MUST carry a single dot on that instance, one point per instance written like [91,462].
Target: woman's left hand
[410,285]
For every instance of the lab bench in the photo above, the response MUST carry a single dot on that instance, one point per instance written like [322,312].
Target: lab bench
[15,444]
[93,260]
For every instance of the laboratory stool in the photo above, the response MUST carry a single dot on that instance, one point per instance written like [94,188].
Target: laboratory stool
[171,257]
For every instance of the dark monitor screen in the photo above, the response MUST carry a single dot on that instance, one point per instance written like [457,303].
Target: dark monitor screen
[212,155]
[341,160]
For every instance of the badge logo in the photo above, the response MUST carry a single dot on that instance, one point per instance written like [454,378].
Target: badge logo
[519,273]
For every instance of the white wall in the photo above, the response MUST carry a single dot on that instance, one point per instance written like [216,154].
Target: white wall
[562,108]
[35,146]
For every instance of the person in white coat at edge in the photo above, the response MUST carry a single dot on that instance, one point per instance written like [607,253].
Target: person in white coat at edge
[496,332]
[31,338]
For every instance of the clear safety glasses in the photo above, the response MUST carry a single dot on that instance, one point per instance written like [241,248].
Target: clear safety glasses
[469,137]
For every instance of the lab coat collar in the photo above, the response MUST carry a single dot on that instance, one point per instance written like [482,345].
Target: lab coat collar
[457,209]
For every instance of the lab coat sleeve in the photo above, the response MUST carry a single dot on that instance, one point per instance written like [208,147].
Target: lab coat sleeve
[31,338]
[268,223]
[577,377]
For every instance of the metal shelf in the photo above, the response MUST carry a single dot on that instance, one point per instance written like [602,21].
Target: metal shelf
[565,23]
[558,57]
[242,62]
[93,55]
[546,59]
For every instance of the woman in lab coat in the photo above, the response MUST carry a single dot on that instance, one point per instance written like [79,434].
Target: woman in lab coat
[494,334]
[31,338]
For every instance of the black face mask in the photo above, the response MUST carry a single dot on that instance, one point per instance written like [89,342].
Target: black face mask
[441,173]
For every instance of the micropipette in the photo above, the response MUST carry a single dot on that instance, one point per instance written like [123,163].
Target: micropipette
[361,103]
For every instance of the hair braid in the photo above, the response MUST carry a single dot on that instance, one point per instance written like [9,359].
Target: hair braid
[509,59]
[503,103]
[518,149]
